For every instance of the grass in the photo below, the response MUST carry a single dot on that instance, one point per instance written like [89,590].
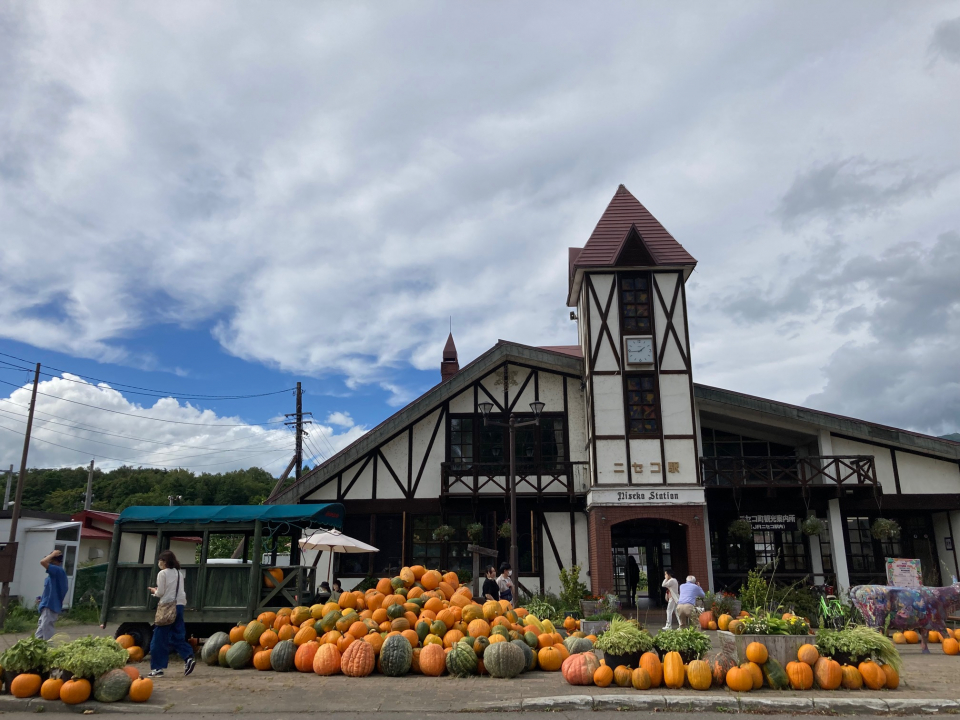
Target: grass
[19,619]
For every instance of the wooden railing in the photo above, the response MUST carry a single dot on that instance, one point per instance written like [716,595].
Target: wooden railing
[785,471]
[545,479]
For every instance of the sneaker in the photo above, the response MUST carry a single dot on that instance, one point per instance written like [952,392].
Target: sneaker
[155,674]
[188,666]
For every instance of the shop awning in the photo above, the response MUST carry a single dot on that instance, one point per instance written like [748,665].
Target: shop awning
[326,515]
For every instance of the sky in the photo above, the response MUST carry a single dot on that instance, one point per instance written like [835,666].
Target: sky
[212,199]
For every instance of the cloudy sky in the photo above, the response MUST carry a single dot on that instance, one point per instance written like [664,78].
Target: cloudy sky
[225,198]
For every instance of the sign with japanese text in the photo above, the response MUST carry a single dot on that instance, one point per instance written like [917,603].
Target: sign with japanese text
[771,522]
[903,572]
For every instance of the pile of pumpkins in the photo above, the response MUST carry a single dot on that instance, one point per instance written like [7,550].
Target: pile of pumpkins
[949,640]
[112,686]
[808,669]
[722,622]
[420,621]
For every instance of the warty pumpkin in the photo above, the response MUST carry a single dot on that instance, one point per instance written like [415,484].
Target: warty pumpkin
[50,689]
[603,675]
[721,664]
[432,660]
[650,662]
[461,660]
[141,689]
[892,677]
[757,652]
[800,675]
[851,678]
[872,675]
[756,674]
[326,661]
[808,654]
[75,691]
[739,680]
[827,674]
[396,654]
[673,672]
[699,675]
[640,679]
[112,686]
[358,659]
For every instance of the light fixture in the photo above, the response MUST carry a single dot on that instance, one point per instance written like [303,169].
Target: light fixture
[485,408]
[537,408]
[573,315]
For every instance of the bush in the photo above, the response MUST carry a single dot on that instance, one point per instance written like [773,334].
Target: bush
[89,657]
[689,642]
[573,589]
[19,619]
[624,637]
[859,643]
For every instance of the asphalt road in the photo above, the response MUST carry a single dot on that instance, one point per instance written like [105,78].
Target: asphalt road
[561,715]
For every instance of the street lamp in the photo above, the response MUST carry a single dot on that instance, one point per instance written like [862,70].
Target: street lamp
[512,424]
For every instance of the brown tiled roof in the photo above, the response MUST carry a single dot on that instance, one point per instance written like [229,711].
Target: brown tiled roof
[624,212]
[572,350]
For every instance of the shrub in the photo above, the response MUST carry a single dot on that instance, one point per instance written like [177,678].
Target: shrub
[689,642]
[624,637]
[573,590]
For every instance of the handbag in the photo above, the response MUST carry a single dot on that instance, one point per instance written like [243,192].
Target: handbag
[167,611]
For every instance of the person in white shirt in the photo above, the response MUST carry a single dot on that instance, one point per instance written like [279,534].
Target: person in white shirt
[170,588]
[673,595]
[505,584]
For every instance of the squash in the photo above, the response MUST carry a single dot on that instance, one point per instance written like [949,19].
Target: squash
[739,680]
[622,675]
[650,662]
[529,656]
[706,617]
[757,652]
[251,633]
[50,689]
[478,628]
[326,660]
[124,641]
[774,674]
[808,654]
[269,639]
[827,674]
[579,669]
[603,675]
[141,689]
[396,654]
[135,654]
[673,671]
[550,659]
[222,656]
[305,655]
[912,637]
[261,660]
[112,686]
[699,675]
[432,660]
[736,627]
[211,648]
[75,691]
[329,621]
[872,675]
[723,622]
[236,633]
[951,647]
[576,645]
[934,637]
[851,678]
[891,676]
[452,637]
[898,638]
[304,635]
[640,679]
[756,674]
[272,577]
[281,659]
[239,656]
[504,660]
[721,666]
[800,675]
[358,659]
[461,661]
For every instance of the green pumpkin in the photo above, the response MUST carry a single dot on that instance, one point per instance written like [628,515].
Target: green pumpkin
[396,654]
[481,644]
[396,583]
[329,621]
[418,601]
[395,611]
[500,630]
[576,645]
[112,686]
[530,657]
[461,660]
[253,631]
[239,655]
[504,660]
[775,675]
[210,653]
[400,591]
[282,656]
[438,628]
[530,639]
[423,629]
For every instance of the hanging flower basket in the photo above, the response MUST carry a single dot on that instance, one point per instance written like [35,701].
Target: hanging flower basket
[443,533]
[504,530]
[740,530]
[475,532]
[812,525]
[884,529]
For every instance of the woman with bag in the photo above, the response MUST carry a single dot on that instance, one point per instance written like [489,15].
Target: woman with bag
[169,632]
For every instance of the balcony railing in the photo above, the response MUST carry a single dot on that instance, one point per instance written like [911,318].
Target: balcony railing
[828,470]
[545,479]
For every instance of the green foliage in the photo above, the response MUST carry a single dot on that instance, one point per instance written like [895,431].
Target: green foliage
[624,637]
[573,590]
[475,532]
[766,624]
[84,612]
[859,643]
[19,619]
[602,616]
[29,654]
[89,657]
[368,583]
[464,576]
[689,642]
[541,606]
[753,594]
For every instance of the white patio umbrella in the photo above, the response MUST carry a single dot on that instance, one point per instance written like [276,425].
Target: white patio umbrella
[334,541]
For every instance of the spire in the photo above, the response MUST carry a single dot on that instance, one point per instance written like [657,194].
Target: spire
[450,365]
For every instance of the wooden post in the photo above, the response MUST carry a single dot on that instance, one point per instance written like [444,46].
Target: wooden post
[201,590]
[111,574]
[255,580]
[88,499]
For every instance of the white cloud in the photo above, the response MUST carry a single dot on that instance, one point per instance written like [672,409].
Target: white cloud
[342,419]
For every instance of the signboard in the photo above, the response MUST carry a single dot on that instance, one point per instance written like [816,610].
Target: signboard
[771,522]
[903,573]
[633,495]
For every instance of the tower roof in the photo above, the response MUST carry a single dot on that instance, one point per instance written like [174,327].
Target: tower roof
[449,350]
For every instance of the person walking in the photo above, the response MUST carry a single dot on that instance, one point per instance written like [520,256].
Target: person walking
[169,631]
[690,592]
[55,587]
[633,579]
[490,590]
[673,596]
[505,584]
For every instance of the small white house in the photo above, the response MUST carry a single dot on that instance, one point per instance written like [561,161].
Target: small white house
[39,534]
[97,534]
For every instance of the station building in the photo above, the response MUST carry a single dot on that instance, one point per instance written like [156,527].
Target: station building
[631,457]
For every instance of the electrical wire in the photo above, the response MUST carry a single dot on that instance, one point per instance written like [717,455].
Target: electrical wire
[323,435]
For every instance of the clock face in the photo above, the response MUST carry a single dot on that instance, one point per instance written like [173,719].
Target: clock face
[639,351]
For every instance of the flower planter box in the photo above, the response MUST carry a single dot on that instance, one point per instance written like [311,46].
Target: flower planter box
[631,660]
[782,648]
[594,627]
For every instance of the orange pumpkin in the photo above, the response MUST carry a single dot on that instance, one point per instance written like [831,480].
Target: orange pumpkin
[287,632]
[135,653]
[452,637]
[326,661]
[757,652]
[236,633]
[358,660]
[75,691]
[951,647]
[141,689]
[303,659]
[640,679]
[673,670]
[723,622]
[603,675]
[739,680]
[706,617]
[808,654]
[711,625]
[622,676]
[125,641]
[699,675]
[912,637]
[756,674]
[872,675]
[550,659]
[934,637]
[899,638]
[569,624]
[305,635]
[50,690]
[650,662]
[375,640]
[478,628]
[267,619]
[344,642]
[892,677]
[827,674]
[800,675]
[272,577]
[432,660]
[132,672]
[25,685]
[412,637]
[261,660]
[850,678]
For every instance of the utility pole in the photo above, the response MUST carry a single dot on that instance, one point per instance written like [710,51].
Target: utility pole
[298,422]
[88,501]
[18,499]
[6,493]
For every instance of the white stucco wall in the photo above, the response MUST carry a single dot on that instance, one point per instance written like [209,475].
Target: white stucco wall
[683,452]
[609,454]
[608,401]
[675,406]
[919,474]
[644,452]
[881,459]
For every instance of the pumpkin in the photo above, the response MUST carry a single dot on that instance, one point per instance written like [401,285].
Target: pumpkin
[261,660]
[529,656]
[141,689]
[287,632]
[721,666]
[640,679]
[236,633]
[75,691]
[951,647]
[800,675]
[650,662]
[253,631]
[892,677]
[135,654]
[934,637]
[461,661]
[304,635]
[899,638]
[706,617]
[358,659]
[711,625]
[603,675]
[125,641]
[272,577]
[673,671]
[757,652]
[911,637]
[872,675]
[269,639]
[480,645]
[432,660]
[550,659]
[305,655]
[723,622]
[344,642]
[756,674]
[739,680]
[358,629]
[576,645]
[329,621]
[699,675]
[472,612]
[112,686]
[239,655]
[621,676]
[850,678]
[326,660]
[222,656]
[736,627]
[50,689]
[345,621]
[211,648]
[827,674]
[452,637]
[808,654]
[396,654]
[478,628]
[282,656]
[774,674]
[504,660]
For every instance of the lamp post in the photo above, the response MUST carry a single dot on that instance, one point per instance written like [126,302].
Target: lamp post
[512,424]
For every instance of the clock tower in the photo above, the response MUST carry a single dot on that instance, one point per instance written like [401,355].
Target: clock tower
[628,285]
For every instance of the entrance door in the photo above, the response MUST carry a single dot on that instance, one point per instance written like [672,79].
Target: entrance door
[654,545]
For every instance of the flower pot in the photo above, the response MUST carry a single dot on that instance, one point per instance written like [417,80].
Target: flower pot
[571,614]
[631,660]
[594,627]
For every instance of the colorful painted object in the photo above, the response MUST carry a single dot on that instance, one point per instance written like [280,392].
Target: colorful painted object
[899,608]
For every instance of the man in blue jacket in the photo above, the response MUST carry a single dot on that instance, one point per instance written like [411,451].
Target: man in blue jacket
[54,591]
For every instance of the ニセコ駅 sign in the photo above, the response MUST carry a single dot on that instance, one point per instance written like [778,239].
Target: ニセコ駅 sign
[651,495]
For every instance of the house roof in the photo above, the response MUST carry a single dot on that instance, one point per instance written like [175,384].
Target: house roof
[326,515]
[571,350]
[89,532]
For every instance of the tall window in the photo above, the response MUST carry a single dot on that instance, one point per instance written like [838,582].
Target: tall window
[861,545]
[461,441]
[642,405]
[472,441]
[389,534]
[552,450]
[426,550]
[635,303]
[355,526]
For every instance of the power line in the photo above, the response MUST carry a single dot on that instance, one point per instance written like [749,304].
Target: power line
[323,434]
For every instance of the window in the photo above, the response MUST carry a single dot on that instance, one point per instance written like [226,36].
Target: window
[491,444]
[355,526]
[794,551]
[642,405]
[861,545]
[543,443]
[389,534]
[426,550]
[635,303]
[70,534]
[552,450]
[461,441]
[457,556]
